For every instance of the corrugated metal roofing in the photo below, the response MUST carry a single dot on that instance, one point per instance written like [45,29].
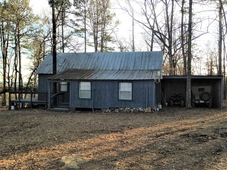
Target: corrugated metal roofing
[80,74]
[108,65]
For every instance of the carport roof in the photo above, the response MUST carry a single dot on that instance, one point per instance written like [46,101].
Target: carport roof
[193,77]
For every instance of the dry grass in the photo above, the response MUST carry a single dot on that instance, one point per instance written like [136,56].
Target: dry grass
[173,138]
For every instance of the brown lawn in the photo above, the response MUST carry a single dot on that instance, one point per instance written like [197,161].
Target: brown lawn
[174,138]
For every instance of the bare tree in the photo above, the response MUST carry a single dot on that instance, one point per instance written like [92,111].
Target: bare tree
[225,51]
[133,24]
[39,48]
[188,85]
[101,23]
[161,21]
[220,37]
[183,39]
[81,11]
[4,32]
[16,27]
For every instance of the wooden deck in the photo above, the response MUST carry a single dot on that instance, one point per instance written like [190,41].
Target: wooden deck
[19,99]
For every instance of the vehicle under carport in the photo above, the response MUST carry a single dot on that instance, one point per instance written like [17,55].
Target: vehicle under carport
[172,85]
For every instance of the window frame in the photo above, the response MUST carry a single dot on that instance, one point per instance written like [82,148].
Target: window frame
[120,91]
[84,90]
[63,86]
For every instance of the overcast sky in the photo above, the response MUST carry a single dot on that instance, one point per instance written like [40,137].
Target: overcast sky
[39,6]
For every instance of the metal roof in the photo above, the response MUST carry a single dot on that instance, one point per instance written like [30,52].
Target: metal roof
[105,66]
[193,77]
[79,74]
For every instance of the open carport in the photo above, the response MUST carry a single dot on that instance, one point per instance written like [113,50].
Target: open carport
[177,85]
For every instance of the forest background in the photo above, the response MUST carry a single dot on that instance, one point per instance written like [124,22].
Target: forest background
[107,25]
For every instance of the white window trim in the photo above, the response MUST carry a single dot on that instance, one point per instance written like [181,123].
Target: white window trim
[125,90]
[84,90]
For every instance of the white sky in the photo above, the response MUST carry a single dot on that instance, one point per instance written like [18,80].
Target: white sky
[39,6]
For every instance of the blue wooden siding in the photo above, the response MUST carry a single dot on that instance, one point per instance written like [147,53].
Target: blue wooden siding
[105,94]
[43,82]
[43,85]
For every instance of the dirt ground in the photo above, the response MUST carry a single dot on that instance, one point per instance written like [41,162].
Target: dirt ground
[174,138]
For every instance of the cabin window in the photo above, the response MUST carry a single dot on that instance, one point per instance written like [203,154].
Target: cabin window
[85,90]
[125,91]
[64,86]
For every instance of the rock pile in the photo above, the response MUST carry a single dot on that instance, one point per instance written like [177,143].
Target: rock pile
[127,110]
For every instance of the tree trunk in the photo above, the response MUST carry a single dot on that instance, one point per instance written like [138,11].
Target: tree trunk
[15,63]
[85,31]
[169,19]
[133,26]
[4,46]
[152,38]
[63,23]
[182,37]
[19,61]
[225,56]
[220,39]
[95,32]
[188,86]
[54,52]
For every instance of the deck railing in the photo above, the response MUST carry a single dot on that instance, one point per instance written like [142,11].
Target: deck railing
[20,98]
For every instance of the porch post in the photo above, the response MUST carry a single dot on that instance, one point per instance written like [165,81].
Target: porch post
[92,98]
[49,94]
[154,95]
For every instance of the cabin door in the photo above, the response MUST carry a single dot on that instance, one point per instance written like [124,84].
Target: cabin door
[64,92]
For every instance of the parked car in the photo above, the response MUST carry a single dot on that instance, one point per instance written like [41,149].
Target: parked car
[202,95]
[177,99]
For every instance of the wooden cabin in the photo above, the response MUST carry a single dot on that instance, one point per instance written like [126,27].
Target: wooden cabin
[102,80]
